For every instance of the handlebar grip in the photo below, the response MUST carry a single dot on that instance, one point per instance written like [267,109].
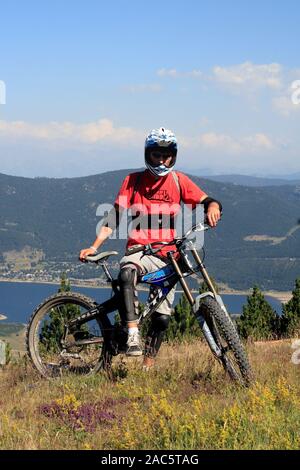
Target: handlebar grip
[134,249]
[151,251]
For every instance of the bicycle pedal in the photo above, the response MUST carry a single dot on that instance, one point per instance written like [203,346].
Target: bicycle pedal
[81,335]
[116,348]
[91,340]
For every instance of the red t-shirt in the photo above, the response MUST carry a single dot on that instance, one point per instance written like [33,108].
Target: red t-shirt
[158,200]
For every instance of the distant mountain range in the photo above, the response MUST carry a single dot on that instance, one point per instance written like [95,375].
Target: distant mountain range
[245,180]
[257,241]
[248,180]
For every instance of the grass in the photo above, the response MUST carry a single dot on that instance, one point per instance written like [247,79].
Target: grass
[186,402]
[7,329]
[14,334]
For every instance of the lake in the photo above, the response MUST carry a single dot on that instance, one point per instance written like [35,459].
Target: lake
[19,299]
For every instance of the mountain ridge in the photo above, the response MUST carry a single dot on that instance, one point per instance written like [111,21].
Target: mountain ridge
[56,217]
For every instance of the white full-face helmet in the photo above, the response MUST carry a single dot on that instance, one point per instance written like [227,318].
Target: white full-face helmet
[164,141]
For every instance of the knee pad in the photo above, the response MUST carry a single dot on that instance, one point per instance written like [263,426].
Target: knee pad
[127,282]
[128,275]
[160,322]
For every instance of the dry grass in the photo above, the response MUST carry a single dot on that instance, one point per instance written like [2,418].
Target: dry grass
[186,402]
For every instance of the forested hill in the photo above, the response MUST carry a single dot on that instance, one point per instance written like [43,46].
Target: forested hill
[257,240]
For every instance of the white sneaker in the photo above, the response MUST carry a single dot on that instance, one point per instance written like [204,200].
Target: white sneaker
[134,347]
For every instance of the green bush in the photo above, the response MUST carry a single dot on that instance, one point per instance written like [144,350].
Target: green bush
[290,320]
[53,329]
[258,320]
[183,323]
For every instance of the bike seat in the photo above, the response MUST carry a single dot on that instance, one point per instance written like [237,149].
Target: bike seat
[101,256]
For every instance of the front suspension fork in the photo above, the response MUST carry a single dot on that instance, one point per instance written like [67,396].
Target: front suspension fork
[195,302]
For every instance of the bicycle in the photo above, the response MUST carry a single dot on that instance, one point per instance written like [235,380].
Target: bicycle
[71,333]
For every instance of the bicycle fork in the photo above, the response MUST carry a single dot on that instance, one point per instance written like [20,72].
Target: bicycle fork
[195,303]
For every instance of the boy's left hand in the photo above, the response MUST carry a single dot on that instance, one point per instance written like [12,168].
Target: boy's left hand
[213,214]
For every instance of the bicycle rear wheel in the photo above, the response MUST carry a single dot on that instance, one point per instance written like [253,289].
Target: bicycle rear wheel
[233,354]
[56,351]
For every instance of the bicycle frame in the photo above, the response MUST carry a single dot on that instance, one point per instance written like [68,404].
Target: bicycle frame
[89,349]
[162,281]
[157,279]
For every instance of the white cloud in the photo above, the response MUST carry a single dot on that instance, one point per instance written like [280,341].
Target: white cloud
[255,144]
[168,73]
[59,149]
[92,132]
[141,88]
[174,73]
[259,142]
[250,75]
[194,73]
[104,131]
[247,74]
[247,79]
[214,141]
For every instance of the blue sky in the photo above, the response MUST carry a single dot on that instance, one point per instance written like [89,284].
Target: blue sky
[85,82]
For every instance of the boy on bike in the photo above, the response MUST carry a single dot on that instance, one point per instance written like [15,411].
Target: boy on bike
[157,193]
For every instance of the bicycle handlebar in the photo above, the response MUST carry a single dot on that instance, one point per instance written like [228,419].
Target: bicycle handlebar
[179,240]
[149,248]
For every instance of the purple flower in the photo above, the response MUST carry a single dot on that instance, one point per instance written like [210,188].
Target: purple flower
[86,417]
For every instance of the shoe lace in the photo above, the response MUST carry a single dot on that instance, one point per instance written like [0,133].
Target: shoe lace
[134,338]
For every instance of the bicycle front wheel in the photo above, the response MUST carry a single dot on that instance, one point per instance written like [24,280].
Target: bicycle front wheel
[233,354]
[56,351]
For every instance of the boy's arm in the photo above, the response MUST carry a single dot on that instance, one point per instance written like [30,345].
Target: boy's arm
[109,224]
[212,209]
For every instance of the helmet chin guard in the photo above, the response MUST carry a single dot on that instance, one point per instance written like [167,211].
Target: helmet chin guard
[160,170]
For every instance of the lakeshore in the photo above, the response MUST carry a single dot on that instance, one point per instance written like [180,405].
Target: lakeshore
[282,296]
[94,283]
[18,300]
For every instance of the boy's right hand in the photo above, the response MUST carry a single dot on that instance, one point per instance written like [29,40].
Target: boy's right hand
[86,252]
